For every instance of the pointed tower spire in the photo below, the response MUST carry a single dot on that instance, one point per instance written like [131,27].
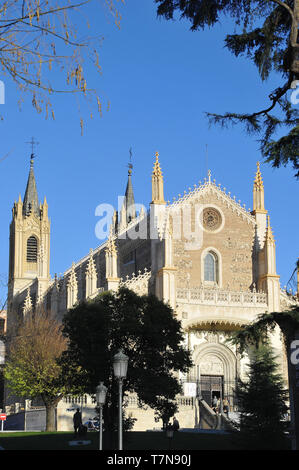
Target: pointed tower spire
[112,280]
[269,280]
[29,251]
[129,197]
[157,183]
[258,192]
[128,209]
[91,276]
[209,176]
[111,247]
[269,234]
[72,287]
[30,204]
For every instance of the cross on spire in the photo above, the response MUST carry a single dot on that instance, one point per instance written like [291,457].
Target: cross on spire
[32,143]
[30,203]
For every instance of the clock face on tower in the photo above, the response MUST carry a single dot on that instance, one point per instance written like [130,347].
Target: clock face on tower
[212,219]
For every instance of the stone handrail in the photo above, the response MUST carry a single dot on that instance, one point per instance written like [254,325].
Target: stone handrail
[132,401]
[202,295]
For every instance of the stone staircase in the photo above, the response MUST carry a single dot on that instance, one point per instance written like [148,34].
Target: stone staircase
[213,421]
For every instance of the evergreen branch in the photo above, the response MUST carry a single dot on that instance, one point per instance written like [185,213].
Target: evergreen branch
[283,151]
[272,46]
[286,6]
[252,124]
[257,332]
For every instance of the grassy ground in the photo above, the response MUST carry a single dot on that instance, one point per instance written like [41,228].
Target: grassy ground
[132,441]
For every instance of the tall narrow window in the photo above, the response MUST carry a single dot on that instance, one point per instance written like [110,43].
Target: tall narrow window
[210,267]
[32,250]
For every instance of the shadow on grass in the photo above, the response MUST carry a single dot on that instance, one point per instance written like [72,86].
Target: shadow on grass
[132,441]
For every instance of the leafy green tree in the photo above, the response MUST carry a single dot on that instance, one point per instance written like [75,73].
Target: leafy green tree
[148,333]
[32,369]
[262,404]
[268,36]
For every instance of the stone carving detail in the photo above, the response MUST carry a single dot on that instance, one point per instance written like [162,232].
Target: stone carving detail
[91,276]
[139,284]
[211,337]
[27,302]
[211,219]
[72,288]
[32,224]
[183,261]
[211,365]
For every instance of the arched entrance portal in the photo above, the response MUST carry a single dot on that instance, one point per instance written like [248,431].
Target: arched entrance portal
[216,371]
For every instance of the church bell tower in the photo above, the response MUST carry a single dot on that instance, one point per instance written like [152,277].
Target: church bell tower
[29,247]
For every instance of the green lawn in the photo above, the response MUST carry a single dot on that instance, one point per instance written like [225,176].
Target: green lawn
[132,441]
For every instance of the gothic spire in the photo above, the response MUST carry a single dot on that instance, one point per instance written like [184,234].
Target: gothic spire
[258,192]
[269,233]
[30,203]
[157,183]
[130,200]
[128,208]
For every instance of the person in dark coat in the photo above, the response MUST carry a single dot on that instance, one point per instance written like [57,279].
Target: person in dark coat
[77,419]
[175,424]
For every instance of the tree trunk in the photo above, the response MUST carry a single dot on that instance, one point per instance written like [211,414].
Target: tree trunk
[294,40]
[51,416]
[294,396]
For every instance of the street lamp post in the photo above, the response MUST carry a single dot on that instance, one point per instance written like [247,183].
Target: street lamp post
[120,367]
[169,434]
[101,398]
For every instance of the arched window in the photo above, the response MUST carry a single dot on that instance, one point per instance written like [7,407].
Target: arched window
[32,250]
[211,267]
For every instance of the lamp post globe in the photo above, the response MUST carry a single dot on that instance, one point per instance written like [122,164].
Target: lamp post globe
[101,391]
[120,365]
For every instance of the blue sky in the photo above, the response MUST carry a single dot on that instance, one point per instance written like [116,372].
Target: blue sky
[160,79]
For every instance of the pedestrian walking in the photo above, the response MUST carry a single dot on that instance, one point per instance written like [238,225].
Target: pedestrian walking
[77,420]
[226,406]
[214,403]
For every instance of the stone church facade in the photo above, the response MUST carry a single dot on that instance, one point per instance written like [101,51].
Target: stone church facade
[206,255]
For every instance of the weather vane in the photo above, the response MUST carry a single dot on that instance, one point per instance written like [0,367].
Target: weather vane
[32,143]
[130,164]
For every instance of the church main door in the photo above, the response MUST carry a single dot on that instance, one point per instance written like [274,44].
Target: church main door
[211,386]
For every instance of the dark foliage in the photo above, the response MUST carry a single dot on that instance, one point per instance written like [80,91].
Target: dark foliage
[147,332]
[262,405]
[268,36]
